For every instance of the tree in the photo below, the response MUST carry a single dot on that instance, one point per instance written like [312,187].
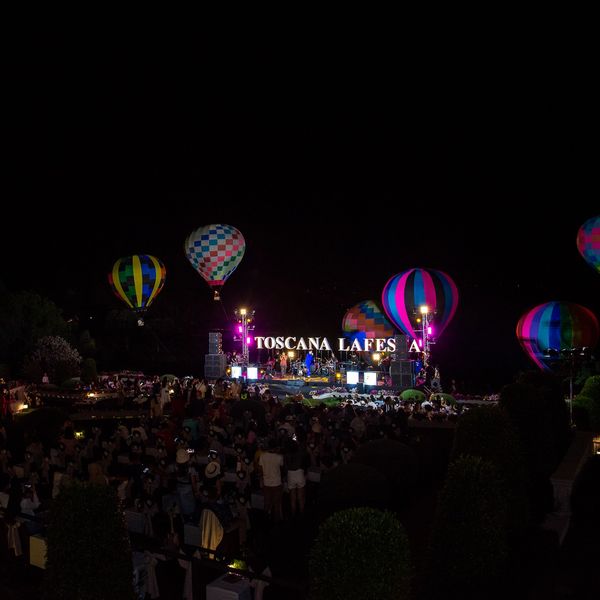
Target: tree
[55,356]
[588,402]
[89,373]
[87,344]
[26,317]
[469,545]
[89,557]
[360,553]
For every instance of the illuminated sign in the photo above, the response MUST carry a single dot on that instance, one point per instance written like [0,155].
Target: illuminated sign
[322,343]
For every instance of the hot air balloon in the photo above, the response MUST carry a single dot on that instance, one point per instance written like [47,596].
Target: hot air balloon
[554,326]
[215,251]
[137,280]
[365,317]
[405,293]
[588,242]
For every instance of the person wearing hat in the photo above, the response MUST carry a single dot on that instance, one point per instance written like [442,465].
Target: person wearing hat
[184,487]
[213,478]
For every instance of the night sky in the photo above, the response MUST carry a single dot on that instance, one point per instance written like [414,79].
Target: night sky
[334,192]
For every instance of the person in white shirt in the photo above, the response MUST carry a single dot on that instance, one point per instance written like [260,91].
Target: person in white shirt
[270,464]
[30,501]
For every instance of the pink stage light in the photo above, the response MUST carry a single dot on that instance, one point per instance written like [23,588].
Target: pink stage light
[429,331]
[239,329]
[249,341]
[421,343]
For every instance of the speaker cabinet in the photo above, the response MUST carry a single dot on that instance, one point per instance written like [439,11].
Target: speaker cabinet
[215,365]
[403,373]
[215,342]
[401,352]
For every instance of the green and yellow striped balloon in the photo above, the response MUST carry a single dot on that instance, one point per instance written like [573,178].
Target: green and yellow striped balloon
[137,280]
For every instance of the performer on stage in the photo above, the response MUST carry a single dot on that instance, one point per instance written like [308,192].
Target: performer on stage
[283,363]
[308,362]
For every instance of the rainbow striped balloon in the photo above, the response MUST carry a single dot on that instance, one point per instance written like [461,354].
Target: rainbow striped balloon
[365,317]
[137,280]
[588,242]
[556,326]
[405,292]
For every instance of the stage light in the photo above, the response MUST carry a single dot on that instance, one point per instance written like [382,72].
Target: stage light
[421,343]
[376,356]
[424,309]
[249,340]
[429,330]
[291,354]
[242,311]
[252,373]
[351,377]
[370,378]
[338,375]
[240,329]
[236,372]
[418,319]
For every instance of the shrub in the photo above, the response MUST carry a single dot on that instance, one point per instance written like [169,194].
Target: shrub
[541,421]
[488,433]
[88,549]
[360,553]
[591,388]
[469,545]
[412,395]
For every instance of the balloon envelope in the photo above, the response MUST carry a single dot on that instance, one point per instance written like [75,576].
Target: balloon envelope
[215,251]
[555,326]
[137,280]
[365,317]
[588,242]
[406,292]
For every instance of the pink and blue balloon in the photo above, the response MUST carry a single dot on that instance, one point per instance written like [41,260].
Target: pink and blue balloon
[588,242]
[405,293]
[556,326]
[215,251]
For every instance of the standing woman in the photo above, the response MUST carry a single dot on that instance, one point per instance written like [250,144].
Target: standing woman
[283,363]
[295,461]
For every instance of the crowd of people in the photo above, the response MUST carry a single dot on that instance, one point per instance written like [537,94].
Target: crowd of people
[234,450]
